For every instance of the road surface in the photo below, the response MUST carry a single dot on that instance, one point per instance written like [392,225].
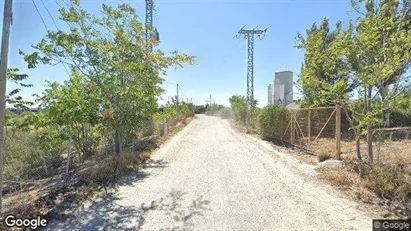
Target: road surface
[210,177]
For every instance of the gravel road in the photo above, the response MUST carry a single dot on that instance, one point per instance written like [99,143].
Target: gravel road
[210,177]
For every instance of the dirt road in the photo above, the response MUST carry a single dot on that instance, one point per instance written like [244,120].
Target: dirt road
[210,177]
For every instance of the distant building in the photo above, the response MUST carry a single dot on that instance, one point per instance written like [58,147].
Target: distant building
[281,91]
[270,94]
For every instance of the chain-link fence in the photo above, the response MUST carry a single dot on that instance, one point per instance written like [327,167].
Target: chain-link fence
[316,130]
[326,130]
[392,145]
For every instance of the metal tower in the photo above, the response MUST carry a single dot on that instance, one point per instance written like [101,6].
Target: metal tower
[150,31]
[249,35]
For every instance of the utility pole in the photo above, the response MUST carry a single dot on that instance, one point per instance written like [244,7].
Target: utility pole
[249,35]
[177,94]
[210,102]
[7,18]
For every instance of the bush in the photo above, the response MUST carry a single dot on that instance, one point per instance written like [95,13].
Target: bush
[273,121]
[323,155]
[253,119]
[388,181]
[30,156]
[238,106]
[340,178]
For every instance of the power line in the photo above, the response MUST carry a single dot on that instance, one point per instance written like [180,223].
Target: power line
[45,26]
[41,17]
[52,18]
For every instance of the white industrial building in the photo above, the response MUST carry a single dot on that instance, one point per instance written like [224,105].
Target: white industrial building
[281,90]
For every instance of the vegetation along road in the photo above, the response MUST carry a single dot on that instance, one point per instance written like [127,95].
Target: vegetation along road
[211,177]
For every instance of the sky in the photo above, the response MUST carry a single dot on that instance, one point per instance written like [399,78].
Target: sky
[202,28]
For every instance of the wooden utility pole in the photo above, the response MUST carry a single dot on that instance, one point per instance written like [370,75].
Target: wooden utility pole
[3,79]
[338,132]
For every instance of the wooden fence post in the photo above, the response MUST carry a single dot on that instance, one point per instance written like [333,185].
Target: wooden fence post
[338,131]
[309,126]
[292,127]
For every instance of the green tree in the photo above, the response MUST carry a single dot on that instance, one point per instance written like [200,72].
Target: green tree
[325,77]
[12,98]
[111,54]
[74,106]
[380,54]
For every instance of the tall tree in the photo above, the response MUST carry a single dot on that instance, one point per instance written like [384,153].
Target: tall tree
[379,55]
[110,53]
[325,78]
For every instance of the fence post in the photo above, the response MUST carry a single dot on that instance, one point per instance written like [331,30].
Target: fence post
[338,131]
[292,127]
[309,126]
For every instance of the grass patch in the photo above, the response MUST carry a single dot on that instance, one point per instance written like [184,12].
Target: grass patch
[339,178]
[389,181]
[323,155]
[388,185]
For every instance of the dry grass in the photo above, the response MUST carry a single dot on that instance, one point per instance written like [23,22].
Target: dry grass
[323,155]
[339,178]
[390,152]
[94,177]
[381,185]
[20,198]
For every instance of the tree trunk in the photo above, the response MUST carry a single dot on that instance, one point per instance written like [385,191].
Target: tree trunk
[369,128]
[117,140]
[359,158]
[357,145]
[386,106]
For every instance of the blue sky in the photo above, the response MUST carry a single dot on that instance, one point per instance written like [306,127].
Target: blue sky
[202,28]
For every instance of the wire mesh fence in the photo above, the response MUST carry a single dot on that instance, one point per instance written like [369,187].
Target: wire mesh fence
[392,145]
[313,129]
[327,130]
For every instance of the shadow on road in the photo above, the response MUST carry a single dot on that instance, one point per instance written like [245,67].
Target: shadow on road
[155,164]
[140,175]
[108,214]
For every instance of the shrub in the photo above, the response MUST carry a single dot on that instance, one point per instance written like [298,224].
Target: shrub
[253,119]
[323,155]
[339,177]
[29,155]
[238,106]
[273,121]
[388,181]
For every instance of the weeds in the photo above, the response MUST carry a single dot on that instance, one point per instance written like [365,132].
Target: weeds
[323,155]
[388,182]
[340,178]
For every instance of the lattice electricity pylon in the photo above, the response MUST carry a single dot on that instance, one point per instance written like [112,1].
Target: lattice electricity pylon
[150,30]
[249,35]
